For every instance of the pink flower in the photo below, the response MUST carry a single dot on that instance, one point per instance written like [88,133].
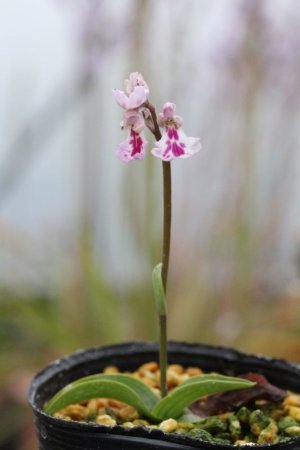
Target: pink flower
[133,119]
[133,147]
[136,92]
[132,101]
[135,79]
[174,142]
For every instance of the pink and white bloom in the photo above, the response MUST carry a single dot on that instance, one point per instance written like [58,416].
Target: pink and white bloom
[174,142]
[135,79]
[136,92]
[132,100]
[133,147]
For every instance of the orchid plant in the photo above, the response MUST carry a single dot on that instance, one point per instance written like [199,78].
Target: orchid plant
[171,143]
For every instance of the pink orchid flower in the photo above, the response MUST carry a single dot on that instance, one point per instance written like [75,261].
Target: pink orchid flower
[135,145]
[174,142]
[135,79]
[136,92]
[132,100]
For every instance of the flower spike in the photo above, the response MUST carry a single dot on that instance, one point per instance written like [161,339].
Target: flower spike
[174,142]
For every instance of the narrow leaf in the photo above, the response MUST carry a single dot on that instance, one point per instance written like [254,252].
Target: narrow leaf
[191,390]
[212,377]
[144,392]
[95,388]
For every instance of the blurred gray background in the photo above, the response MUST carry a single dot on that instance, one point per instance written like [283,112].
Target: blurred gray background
[80,231]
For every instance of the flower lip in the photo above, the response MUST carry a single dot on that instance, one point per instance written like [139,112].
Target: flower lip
[175,144]
[133,147]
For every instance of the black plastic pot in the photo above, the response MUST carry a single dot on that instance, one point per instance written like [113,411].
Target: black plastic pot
[57,434]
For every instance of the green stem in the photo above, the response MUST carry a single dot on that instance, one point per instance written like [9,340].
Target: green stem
[167,216]
[163,356]
[167,182]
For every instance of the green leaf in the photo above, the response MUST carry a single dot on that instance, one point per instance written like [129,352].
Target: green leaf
[144,392]
[119,387]
[159,292]
[134,392]
[212,377]
[193,389]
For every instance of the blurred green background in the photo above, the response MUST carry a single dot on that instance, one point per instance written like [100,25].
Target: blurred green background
[80,231]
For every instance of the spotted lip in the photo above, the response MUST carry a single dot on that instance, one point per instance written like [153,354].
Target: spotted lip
[56,434]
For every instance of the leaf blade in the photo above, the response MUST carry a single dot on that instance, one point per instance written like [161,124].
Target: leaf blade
[85,390]
[195,388]
[141,389]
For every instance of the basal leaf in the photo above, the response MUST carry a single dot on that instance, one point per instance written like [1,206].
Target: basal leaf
[191,390]
[212,377]
[134,392]
[144,392]
[95,388]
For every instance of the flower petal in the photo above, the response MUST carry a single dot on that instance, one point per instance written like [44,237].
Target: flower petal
[175,144]
[133,147]
[128,86]
[137,97]
[121,98]
[169,111]
[132,101]
[135,79]
[133,118]
[168,115]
